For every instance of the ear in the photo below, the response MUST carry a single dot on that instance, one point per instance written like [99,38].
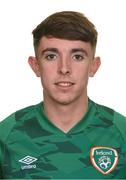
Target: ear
[95,64]
[34,64]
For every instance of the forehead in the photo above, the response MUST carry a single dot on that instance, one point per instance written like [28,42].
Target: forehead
[63,44]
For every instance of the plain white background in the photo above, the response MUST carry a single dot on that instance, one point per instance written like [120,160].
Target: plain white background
[19,87]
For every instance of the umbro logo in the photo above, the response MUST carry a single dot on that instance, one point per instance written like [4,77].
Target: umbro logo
[28,160]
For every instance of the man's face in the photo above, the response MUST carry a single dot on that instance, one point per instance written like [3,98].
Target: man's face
[64,67]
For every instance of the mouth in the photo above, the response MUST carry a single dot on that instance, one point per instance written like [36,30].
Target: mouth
[64,84]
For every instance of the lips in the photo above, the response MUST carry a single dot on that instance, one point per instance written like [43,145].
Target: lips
[64,84]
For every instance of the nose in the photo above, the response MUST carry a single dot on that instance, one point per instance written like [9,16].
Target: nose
[64,66]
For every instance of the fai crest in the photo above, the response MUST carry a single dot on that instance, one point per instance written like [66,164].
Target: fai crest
[104,159]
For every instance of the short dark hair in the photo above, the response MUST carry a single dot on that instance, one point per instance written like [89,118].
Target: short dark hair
[68,25]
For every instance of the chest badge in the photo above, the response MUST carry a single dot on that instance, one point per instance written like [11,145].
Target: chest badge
[104,159]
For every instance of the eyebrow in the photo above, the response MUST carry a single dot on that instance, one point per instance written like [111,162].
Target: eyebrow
[79,50]
[49,49]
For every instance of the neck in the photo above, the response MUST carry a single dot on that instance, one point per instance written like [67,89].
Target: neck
[65,116]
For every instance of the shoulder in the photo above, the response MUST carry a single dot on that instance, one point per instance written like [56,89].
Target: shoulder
[113,117]
[110,113]
[120,122]
[7,125]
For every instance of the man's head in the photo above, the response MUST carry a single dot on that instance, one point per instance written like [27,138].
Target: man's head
[65,56]
[68,25]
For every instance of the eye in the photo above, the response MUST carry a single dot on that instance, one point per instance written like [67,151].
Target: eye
[78,57]
[50,57]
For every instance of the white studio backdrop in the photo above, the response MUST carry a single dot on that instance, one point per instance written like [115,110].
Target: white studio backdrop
[19,87]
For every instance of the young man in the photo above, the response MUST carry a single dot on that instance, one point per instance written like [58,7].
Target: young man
[67,136]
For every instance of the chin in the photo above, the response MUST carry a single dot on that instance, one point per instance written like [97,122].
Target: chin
[65,101]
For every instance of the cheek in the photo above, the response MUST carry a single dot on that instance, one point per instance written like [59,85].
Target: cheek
[47,76]
[82,72]
[48,68]
[82,76]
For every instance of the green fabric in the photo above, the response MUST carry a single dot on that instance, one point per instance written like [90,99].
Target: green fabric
[31,147]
